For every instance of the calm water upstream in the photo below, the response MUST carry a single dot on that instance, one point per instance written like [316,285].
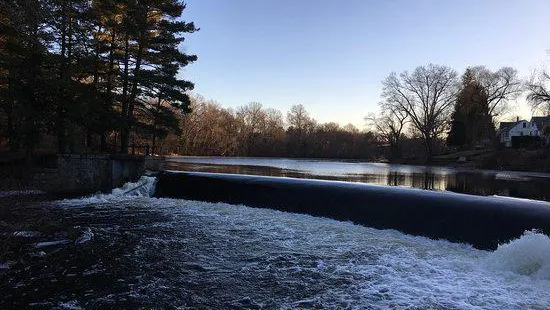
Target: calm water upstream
[530,185]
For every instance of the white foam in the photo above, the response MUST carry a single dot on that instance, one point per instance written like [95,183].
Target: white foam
[27,234]
[372,268]
[86,236]
[528,255]
[401,271]
[144,187]
[50,243]
[70,305]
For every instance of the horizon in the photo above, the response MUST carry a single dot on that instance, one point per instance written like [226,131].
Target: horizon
[286,53]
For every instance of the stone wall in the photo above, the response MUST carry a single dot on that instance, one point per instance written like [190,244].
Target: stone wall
[91,173]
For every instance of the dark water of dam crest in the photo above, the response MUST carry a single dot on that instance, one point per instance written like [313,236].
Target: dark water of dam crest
[531,185]
[135,252]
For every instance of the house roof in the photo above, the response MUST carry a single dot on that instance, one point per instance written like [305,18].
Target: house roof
[506,126]
[541,121]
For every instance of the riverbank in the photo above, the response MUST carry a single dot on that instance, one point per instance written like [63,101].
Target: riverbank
[534,160]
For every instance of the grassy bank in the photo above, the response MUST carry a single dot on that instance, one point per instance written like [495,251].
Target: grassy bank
[535,160]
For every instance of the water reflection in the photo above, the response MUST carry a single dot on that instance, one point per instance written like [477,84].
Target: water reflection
[475,182]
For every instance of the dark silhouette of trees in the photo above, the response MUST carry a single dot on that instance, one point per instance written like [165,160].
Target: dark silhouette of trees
[102,74]
[389,126]
[471,121]
[426,96]
[75,69]
[538,92]
[500,86]
[26,72]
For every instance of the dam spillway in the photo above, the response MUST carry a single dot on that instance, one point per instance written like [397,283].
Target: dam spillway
[484,222]
[129,250]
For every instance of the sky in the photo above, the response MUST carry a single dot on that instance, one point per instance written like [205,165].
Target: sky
[331,56]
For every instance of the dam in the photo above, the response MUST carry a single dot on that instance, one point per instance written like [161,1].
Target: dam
[193,240]
[483,222]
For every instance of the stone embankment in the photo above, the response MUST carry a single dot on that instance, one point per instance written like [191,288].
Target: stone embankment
[77,173]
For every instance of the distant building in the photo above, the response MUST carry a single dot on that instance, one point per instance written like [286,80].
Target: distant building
[543,124]
[503,133]
[507,130]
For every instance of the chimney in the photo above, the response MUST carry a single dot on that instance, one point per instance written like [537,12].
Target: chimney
[517,118]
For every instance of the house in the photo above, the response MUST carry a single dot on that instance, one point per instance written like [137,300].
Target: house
[507,130]
[503,133]
[543,124]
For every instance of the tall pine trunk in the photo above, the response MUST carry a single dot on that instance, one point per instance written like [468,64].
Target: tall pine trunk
[60,117]
[109,86]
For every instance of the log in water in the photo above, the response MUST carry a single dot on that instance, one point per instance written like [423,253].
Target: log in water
[483,222]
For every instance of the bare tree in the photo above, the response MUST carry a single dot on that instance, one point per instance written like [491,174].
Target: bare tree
[274,122]
[426,96]
[208,130]
[251,120]
[351,128]
[300,128]
[389,125]
[298,118]
[501,87]
[253,117]
[538,88]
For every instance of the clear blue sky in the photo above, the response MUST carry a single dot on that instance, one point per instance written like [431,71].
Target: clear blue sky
[331,56]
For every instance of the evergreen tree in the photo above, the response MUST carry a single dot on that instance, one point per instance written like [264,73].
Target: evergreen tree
[471,121]
[150,41]
[71,68]
[25,73]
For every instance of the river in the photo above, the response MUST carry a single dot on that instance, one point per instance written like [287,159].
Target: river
[115,251]
[531,185]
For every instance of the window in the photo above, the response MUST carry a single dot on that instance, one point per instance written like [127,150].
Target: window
[524,125]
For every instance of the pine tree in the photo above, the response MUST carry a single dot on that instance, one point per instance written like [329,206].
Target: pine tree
[471,121]
[151,59]
[78,67]
[25,71]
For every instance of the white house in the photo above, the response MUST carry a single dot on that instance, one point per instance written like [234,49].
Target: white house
[507,130]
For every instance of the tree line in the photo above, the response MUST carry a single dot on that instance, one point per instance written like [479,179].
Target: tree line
[253,130]
[95,72]
[435,106]
[423,113]
[105,74]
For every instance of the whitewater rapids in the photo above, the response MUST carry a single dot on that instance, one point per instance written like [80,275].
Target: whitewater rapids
[187,254]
